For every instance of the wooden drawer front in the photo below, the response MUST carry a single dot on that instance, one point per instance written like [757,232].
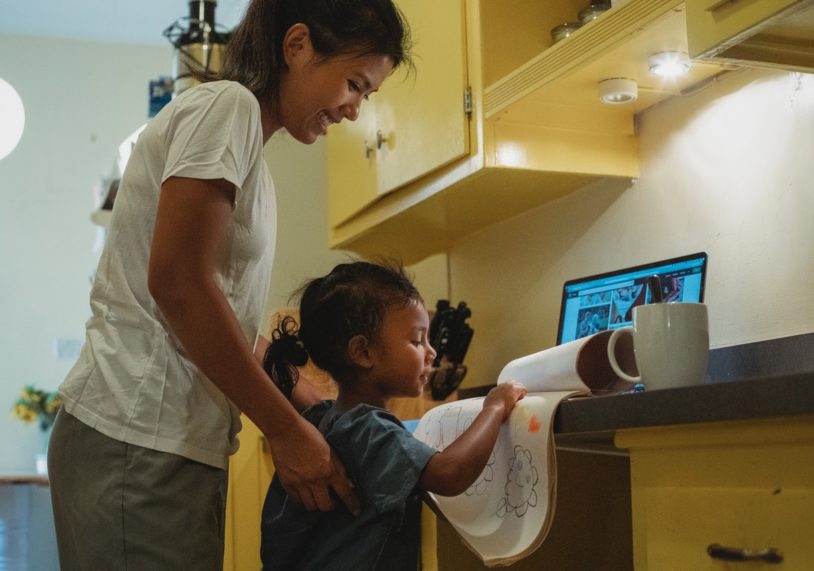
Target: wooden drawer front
[682,522]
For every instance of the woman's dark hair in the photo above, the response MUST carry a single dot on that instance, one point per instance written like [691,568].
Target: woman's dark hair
[254,53]
[351,300]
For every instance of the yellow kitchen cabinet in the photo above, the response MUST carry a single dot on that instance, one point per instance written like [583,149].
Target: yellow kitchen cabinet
[536,129]
[352,183]
[763,33]
[746,487]
[250,471]
[414,124]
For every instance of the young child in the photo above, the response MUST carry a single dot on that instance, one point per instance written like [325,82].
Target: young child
[367,326]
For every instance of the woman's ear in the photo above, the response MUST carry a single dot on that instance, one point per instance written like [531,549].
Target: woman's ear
[297,43]
[359,351]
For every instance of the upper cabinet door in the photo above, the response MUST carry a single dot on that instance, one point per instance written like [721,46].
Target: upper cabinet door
[415,124]
[352,165]
[421,114]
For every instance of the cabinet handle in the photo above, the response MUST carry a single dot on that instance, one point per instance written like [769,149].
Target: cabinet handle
[380,139]
[768,555]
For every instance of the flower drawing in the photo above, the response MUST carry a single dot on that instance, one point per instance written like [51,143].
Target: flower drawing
[520,492]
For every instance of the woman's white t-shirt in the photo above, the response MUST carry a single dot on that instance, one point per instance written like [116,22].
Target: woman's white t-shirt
[133,381]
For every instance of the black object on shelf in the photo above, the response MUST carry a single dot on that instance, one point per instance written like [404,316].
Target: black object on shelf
[445,379]
[450,336]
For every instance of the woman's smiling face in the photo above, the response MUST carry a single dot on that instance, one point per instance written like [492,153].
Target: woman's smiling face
[316,93]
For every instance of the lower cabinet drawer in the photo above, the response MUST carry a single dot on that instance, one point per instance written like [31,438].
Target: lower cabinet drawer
[682,522]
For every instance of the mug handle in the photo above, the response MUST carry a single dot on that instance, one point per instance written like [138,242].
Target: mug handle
[612,354]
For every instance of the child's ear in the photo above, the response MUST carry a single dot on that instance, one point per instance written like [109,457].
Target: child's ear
[359,351]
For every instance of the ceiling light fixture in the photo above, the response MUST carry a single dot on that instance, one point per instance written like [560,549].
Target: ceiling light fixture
[669,64]
[617,90]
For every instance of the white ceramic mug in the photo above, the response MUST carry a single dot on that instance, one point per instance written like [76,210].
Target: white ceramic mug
[670,344]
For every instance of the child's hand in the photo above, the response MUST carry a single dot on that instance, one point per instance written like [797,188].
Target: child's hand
[505,395]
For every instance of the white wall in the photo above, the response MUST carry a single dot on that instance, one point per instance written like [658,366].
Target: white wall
[302,217]
[727,170]
[81,100]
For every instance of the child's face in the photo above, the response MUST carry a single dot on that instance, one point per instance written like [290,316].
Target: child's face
[402,356]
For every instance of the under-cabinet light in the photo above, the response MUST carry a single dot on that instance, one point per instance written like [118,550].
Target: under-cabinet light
[669,64]
[618,90]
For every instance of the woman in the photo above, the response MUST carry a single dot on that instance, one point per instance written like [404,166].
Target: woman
[139,453]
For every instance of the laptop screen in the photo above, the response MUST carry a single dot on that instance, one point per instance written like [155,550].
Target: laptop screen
[606,301]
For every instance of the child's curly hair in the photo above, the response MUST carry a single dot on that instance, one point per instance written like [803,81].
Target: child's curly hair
[351,300]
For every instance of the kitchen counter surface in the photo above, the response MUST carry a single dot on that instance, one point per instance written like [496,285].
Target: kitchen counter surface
[762,379]
[590,422]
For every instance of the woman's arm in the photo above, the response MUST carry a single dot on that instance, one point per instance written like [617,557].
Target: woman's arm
[191,225]
[454,469]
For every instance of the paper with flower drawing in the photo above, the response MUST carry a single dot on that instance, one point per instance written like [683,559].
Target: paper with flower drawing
[507,513]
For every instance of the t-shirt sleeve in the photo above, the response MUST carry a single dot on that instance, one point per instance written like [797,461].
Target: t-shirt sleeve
[383,459]
[214,135]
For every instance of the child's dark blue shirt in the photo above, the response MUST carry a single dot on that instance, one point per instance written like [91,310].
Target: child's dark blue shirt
[384,461]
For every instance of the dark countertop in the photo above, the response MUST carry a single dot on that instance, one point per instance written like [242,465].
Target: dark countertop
[791,395]
[588,424]
[763,379]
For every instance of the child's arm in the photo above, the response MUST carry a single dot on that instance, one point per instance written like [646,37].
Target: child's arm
[454,469]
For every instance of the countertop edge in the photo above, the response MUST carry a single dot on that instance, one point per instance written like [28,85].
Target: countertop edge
[596,418]
[785,396]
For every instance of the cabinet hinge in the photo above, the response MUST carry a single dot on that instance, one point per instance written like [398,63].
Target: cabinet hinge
[468,100]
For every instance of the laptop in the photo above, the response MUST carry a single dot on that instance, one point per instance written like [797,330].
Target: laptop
[606,301]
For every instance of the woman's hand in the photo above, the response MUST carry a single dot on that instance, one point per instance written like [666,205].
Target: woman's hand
[504,396]
[308,469]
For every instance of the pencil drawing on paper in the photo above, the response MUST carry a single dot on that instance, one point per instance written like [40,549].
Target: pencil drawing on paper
[521,482]
[481,485]
[442,427]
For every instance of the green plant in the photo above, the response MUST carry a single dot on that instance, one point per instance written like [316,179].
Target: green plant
[37,405]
